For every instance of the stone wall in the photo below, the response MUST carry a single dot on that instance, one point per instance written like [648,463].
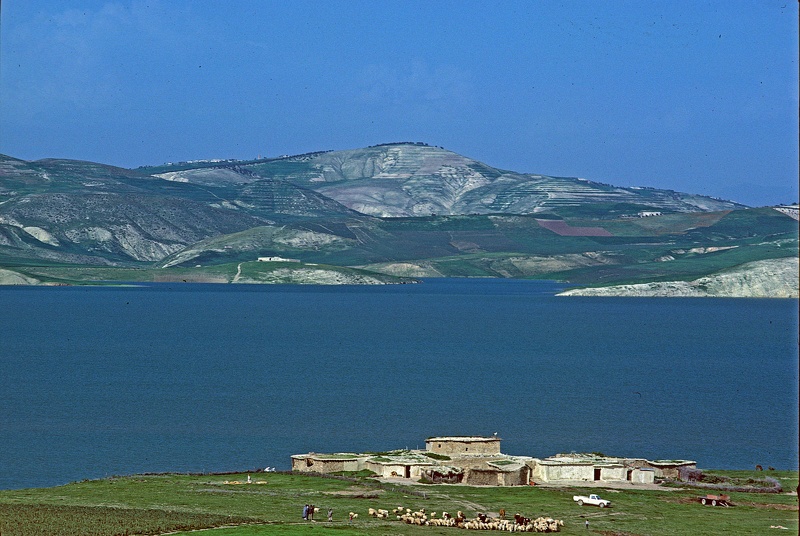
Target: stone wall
[519,477]
[667,470]
[639,476]
[482,477]
[615,472]
[312,464]
[463,446]
[553,472]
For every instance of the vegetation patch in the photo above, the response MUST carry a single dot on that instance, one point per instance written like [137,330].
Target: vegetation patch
[363,473]
[143,504]
[746,484]
[46,520]
[436,456]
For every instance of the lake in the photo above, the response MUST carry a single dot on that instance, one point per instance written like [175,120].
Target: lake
[100,381]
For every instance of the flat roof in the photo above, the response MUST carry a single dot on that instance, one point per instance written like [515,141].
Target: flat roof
[506,467]
[330,457]
[590,459]
[563,462]
[463,439]
[385,460]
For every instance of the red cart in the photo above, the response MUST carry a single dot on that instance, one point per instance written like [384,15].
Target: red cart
[715,500]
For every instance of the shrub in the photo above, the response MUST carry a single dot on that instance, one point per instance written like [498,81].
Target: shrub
[435,456]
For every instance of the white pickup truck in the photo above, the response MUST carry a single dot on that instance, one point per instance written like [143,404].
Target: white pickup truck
[594,500]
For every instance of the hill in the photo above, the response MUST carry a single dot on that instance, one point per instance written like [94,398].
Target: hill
[775,278]
[414,179]
[403,210]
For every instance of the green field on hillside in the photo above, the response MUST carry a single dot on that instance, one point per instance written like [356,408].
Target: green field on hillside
[244,272]
[393,209]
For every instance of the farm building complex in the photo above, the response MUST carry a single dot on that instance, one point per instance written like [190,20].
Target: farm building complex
[476,460]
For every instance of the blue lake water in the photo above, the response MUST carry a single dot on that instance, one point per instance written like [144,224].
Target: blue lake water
[102,381]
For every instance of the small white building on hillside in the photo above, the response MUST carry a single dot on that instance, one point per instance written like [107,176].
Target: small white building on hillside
[276,259]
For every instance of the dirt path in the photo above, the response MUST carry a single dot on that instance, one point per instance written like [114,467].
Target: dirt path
[600,484]
[238,273]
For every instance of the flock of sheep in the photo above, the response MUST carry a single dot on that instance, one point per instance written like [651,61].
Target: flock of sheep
[480,522]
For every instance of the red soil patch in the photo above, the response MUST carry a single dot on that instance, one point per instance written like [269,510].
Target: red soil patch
[561,228]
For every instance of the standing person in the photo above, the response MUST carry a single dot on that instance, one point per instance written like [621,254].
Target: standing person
[587,524]
[330,514]
[305,512]
[311,512]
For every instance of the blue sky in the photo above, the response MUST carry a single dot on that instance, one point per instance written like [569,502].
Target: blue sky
[694,96]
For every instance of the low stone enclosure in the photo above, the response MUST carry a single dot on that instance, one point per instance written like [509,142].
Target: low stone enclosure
[477,461]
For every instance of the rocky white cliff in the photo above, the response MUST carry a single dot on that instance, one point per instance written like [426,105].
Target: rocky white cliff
[774,278]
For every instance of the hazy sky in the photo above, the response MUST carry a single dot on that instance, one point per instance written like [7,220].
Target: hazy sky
[694,96]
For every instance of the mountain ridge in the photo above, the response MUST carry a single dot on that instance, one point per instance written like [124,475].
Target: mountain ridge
[402,209]
[416,179]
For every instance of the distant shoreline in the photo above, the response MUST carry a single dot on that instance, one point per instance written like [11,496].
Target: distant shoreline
[775,278]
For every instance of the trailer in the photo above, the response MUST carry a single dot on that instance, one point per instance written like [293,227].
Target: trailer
[715,500]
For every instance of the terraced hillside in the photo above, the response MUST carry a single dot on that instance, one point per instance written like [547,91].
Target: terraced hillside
[400,210]
[417,180]
[413,179]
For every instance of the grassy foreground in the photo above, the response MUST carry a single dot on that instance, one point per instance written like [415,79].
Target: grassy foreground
[272,504]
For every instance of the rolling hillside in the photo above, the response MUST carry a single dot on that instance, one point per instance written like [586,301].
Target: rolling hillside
[412,179]
[403,210]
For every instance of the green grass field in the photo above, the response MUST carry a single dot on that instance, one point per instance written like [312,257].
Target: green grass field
[272,504]
[673,247]
[218,273]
